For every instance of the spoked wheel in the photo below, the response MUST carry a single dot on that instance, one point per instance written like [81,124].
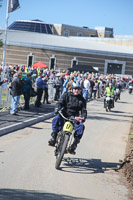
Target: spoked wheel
[61,150]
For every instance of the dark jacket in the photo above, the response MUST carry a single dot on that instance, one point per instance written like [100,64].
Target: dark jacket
[17,87]
[27,84]
[1,82]
[39,83]
[74,105]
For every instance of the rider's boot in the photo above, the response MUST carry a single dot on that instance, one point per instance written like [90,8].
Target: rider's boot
[52,140]
[74,145]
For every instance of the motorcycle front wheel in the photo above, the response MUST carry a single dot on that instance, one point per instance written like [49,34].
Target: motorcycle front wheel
[107,106]
[61,150]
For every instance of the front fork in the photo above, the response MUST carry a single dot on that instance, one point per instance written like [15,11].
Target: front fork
[70,140]
[60,140]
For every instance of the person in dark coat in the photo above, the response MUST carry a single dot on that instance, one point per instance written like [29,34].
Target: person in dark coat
[27,88]
[17,86]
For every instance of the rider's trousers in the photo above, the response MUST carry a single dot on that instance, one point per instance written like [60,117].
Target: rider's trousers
[58,122]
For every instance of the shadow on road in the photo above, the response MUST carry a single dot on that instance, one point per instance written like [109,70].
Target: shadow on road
[105,118]
[14,194]
[87,166]
[123,102]
[116,113]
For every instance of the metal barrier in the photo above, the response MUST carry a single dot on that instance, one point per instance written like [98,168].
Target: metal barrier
[5,97]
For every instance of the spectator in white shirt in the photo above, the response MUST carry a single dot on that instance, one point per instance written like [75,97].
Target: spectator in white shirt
[86,88]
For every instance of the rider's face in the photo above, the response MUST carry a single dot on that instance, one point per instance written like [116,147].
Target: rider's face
[76,91]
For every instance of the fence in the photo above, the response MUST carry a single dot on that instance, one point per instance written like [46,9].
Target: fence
[5,97]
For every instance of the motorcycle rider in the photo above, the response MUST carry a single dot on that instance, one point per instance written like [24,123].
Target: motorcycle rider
[74,105]
[130,86]
[130,83]
[110,92]
[118,86]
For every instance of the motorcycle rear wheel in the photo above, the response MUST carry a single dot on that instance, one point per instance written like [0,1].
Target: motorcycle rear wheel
[61,151]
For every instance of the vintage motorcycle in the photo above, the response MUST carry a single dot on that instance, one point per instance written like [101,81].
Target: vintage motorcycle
[108,103]
[65,138]
[130,89]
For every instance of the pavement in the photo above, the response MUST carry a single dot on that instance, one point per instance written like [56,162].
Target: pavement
[10,123]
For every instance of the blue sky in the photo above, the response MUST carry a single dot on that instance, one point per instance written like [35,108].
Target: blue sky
[117,14]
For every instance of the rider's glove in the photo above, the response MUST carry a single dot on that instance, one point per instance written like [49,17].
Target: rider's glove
[83,120]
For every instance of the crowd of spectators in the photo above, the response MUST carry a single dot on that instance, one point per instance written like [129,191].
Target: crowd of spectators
[50,85]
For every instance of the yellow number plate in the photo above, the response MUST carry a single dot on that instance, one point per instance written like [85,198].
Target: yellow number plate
[68,127]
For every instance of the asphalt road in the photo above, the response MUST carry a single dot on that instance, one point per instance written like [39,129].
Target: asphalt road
[27,163]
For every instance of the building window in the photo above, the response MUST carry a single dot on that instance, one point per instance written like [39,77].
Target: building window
[66,33]
[114,67]
[30,60]
[74,62]
[79,34]
[52,62]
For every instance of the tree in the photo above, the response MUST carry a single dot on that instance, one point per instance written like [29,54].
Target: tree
[1,43]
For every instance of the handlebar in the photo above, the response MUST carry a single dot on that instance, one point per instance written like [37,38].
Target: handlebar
[79,119]
[60,112]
